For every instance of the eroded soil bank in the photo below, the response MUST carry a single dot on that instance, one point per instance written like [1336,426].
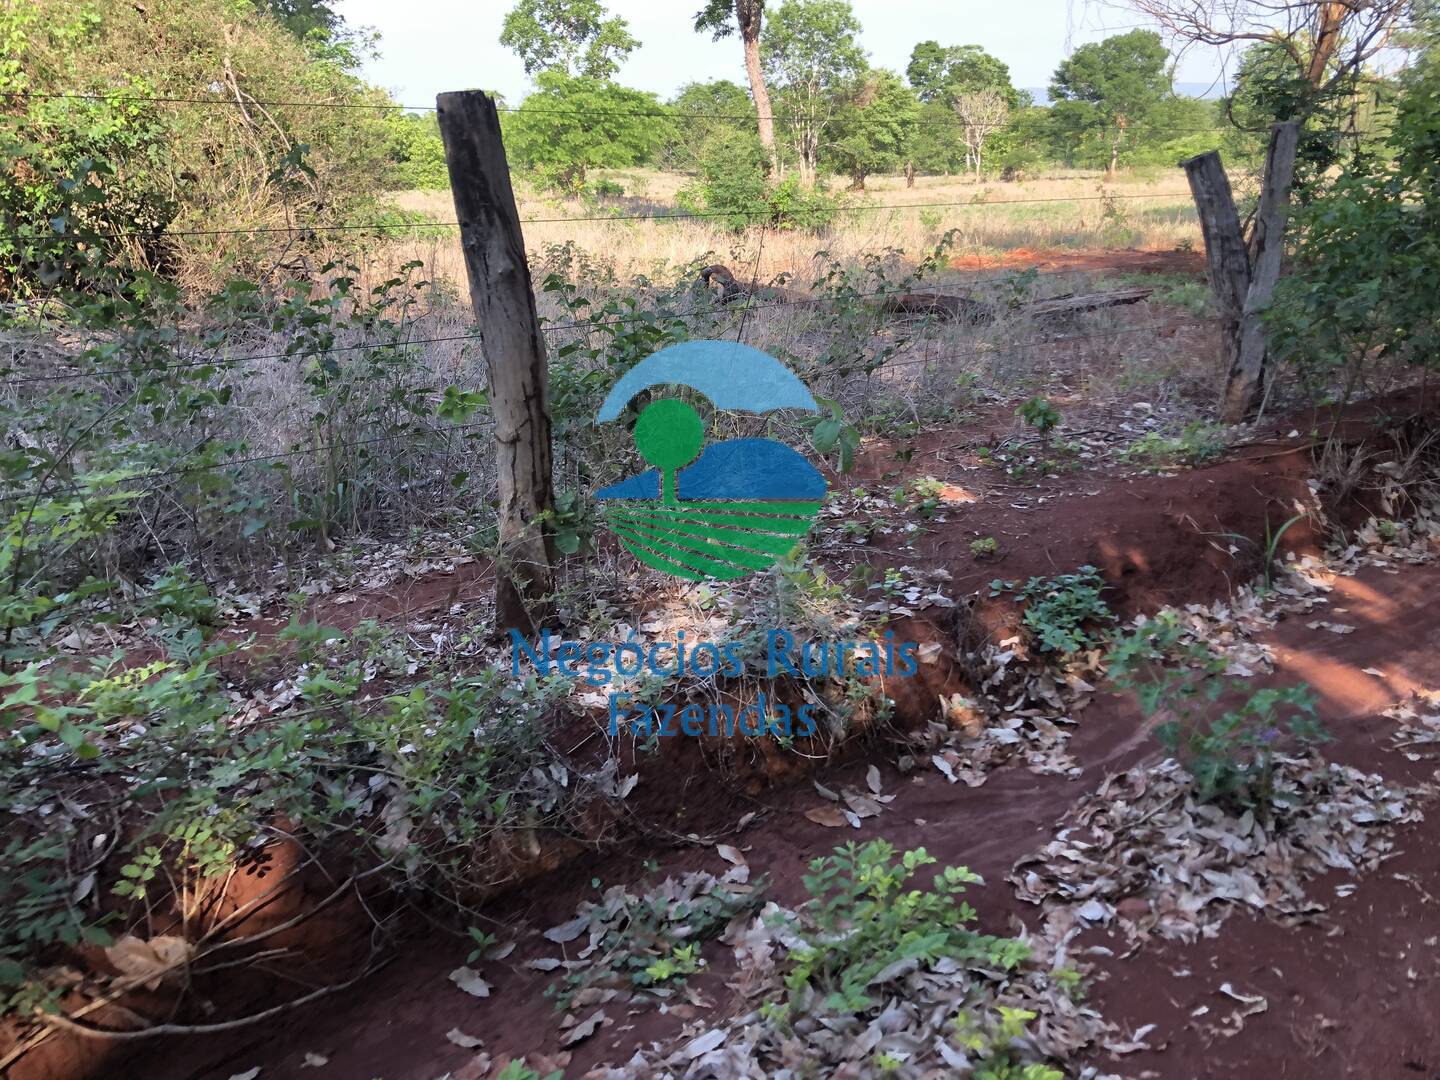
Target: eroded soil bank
[1350,994]
[1189,536]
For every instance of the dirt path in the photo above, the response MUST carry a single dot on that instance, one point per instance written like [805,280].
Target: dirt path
[1353,996]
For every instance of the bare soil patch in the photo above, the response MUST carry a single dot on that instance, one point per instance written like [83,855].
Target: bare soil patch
[1172,538]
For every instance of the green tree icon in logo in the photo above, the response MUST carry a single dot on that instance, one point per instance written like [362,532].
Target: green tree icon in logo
[668,435]
[723,510]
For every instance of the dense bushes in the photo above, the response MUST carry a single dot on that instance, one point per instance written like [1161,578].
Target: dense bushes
[734,186]
[1381,214]
[160,172]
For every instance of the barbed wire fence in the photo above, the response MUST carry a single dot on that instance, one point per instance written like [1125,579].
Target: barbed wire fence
[106,373]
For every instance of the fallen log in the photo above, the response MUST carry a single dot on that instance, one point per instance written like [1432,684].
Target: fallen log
[1060,306]
[962,308]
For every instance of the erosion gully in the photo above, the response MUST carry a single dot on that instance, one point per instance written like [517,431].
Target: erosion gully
[1354,994]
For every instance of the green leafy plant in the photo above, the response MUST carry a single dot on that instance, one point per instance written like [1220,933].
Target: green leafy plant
[984,548]
[683,960]
[991,1039]
[516,1069]
[1062,612]
[1198,443]
[1230,752]
[864,916]
[573,521]
[927,493]
[834,434]
[1041,415]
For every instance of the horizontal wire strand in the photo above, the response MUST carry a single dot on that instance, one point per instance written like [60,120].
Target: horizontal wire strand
[1018,348]
[384,226]
[737,307]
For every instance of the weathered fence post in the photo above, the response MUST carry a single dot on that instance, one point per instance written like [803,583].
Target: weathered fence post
[1269,246]
[1226,260]
[1242,290]
[504,308]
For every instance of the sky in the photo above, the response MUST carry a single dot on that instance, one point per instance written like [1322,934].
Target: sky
[428,46]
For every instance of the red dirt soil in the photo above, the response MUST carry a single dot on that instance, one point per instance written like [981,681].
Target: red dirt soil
[1352,999]
[1158,539]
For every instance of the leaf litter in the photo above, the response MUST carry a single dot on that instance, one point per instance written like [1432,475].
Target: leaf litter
[1141,852]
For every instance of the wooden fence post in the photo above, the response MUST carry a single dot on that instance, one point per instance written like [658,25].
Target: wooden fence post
[504,308]
[1243,290]
[1226,259]
[1243,394]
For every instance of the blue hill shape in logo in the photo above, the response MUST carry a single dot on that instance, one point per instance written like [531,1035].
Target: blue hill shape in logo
[740,504]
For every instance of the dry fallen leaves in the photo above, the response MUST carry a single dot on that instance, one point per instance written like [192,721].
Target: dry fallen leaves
[470,981]
[154,959]
[1142,836]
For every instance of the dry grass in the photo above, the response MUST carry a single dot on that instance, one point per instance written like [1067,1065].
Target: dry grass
[1161,217]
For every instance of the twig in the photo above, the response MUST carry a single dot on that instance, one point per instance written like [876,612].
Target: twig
[67,1024]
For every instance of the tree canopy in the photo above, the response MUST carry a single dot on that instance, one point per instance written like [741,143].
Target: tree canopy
[1114,85]
[573,37]
[873,128]
[703,111]
[940,73]
[812,55]
[573,124]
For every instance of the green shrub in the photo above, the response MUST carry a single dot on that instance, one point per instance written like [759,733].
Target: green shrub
[1040,414]
[1199,443]
[864,917]
[1230,753]
[1061,612]
[1361,285]
[734,186]
[167,175]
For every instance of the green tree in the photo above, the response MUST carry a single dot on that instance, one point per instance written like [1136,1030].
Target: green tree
[1026,143]
[571,125]
[744,17]
[702,111]
[417,151]
[1113,86]
[182,182]
[940,73]
[573,37]
[813,56]
[1268,87]
[1361,288]
[303,17]
[938,146]
[873,129]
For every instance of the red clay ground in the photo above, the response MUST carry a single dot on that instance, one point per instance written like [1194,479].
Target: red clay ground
[1353,998]
[1160,539]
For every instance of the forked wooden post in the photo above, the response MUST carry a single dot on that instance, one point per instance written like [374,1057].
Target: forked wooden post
[1269,245]
[1228,265]
[1243,291]
[504,307]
